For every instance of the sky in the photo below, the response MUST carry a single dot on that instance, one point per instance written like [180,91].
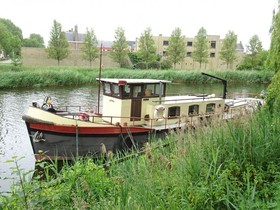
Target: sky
[245,18]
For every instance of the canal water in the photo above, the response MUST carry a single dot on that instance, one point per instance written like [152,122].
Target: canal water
[14,140]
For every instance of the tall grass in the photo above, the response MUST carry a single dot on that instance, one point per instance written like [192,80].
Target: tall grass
[225,165]
[63,76]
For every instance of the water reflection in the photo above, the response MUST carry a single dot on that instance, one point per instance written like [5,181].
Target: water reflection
[14,140]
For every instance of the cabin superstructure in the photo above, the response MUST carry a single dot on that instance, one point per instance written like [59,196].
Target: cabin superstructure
[144,102]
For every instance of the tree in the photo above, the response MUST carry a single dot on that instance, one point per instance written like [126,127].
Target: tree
[176,49]
[58,46]
[201,47]
[273,97]
[5,40]
[255,57]
[255,46]
[273,61]
[256,62]
[228,51]
[119,48]
[147,49]
[10,39]
[89,48]
[34,40]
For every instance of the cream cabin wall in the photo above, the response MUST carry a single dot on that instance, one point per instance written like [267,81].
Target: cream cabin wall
[112,109]
[184,111]
[117,110]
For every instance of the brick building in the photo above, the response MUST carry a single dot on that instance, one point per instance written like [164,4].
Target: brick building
[215,45]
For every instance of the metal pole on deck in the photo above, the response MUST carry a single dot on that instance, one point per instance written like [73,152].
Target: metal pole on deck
[77,139]
[160,91]
[99,82]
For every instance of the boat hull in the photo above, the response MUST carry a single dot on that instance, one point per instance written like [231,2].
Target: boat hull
[68,142]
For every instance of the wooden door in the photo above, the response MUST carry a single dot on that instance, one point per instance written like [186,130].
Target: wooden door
[136,103]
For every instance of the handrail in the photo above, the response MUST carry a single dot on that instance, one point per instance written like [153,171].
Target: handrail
[181,120]
[152,122]
[80,107]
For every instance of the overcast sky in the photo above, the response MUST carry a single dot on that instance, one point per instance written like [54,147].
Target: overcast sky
[244,17]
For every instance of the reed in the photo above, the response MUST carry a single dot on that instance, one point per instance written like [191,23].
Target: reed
[65,76]
[224,165]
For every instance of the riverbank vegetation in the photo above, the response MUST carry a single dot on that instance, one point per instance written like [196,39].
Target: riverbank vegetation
[232,165]
[31,77]
[224,165]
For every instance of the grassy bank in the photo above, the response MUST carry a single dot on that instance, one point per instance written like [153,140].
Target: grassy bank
[233,165]
[65,76]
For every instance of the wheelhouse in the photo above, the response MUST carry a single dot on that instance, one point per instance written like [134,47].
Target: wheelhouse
[134,88]
[129,98]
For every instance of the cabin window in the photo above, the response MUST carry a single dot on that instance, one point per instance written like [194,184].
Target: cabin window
[126,91]
[136,91]
[153,90]
[193,110]
[149,90]
[107,89]
[157,89]
[115,90]
[210,108]
[174,111]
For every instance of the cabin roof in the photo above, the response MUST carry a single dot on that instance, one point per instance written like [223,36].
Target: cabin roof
[190,99]
[132,81]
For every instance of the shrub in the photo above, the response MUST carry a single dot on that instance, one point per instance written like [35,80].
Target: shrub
[140,65]
[166,64]
[154,65]
[126,64]
[273,97]
[134,57]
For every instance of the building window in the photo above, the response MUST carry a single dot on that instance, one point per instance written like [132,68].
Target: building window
[174,111]
[213,44]
[193,110]
[189,54]
[165,43]
[189,44]
[212,55]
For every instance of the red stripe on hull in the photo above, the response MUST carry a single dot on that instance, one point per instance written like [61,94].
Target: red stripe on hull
[87,130]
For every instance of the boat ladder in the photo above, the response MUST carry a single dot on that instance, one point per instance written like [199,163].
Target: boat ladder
[131,137]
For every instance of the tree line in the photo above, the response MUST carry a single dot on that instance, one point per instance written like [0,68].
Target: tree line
[256,57]
[146,56]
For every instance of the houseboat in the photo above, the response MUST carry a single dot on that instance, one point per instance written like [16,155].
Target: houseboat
[132,111]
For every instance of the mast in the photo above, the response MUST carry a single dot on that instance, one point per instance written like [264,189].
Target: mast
[99,80]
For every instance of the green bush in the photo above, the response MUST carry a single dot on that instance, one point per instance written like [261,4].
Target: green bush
[154,65]
[140,65]
[134,57]
[126,64]
[273,97]
[166,64]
